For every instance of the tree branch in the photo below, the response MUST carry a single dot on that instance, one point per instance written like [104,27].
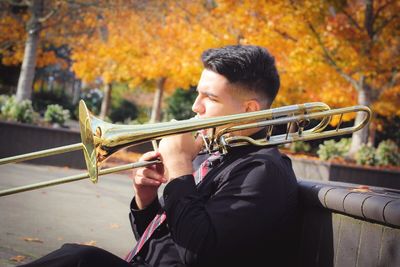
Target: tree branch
[351,19]
[385,23]
[381,8]
[49,15]
[20,3]
[197,20]
[394,77]
[369,18]
[330,60]
[285,35]
[6,45]
[280,32]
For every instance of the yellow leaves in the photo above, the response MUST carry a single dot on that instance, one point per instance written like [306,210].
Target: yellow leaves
[115,226]
[32,239]
[18,258]
[389,101]
[145,47]
[90,243]
[46,58]
[107,77]
[346,117]
[166,38]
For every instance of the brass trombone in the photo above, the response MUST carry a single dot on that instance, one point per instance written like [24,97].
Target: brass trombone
[101,139]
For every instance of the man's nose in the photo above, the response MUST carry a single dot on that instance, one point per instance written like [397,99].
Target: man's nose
[197,106]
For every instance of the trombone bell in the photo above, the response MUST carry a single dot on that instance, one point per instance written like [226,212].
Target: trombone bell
[87,137]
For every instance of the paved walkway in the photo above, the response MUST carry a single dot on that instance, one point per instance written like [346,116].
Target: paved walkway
[36,222]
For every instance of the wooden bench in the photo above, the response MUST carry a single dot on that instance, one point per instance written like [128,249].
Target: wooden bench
[345,225]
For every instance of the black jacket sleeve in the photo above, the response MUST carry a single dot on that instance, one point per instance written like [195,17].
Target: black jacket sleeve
[141,218]
[249,200]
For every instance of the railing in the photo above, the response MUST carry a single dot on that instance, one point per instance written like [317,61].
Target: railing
[347,225]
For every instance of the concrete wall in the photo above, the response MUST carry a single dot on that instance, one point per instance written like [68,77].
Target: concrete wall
[18,138]
[319,170]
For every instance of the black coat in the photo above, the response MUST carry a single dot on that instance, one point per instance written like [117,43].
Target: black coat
[243,214]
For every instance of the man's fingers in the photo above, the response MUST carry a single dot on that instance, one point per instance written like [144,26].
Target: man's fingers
[152,155]
[149,174]
[148,182]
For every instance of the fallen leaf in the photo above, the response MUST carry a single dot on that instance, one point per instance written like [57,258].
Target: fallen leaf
[361,189]
[115,226]
[90,243]
[18,258]
[32,239]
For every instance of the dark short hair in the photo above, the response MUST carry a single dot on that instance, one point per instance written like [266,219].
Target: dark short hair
[248,66]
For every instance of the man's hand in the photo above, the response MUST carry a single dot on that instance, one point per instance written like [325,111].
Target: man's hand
[177,153]
[147,180]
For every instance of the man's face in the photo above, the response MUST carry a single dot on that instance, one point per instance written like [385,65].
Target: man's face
[216,98]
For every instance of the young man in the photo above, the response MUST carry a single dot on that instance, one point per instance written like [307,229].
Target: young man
[241,213]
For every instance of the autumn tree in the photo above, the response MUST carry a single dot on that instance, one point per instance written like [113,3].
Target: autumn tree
[31,29]
[153,42]
[358,42]
[339,52]
[32,26]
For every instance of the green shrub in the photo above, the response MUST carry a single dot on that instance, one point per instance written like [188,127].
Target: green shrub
[366,155]
[330,149]
[93,99]
[300,146]
[344,146]
[56,114]
[124,111]
[3,100]
[327,150]
[180,104]
[142,117]
[387,153]
[21,112]
[386,131]
[43,98]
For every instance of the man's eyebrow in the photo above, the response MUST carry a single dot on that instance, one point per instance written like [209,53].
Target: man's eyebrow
[211,94]
[205,92]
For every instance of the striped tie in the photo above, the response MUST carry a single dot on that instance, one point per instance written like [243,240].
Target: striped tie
[205,167]
[160,217]
[157,221]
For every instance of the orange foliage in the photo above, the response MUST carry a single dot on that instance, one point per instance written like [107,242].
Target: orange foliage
[319,45]
[61,28]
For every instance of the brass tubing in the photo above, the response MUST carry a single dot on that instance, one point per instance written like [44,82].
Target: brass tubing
[308,135]
[42,153]
[75,177]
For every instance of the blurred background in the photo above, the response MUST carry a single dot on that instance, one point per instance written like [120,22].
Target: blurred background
[136,62]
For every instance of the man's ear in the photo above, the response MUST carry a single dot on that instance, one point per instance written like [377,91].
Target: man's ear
[252,105]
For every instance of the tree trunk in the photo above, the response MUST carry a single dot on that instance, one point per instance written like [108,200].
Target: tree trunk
[361,136]
[25,81]
[156,110]
[76,91]
[105,104]
[372,132]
